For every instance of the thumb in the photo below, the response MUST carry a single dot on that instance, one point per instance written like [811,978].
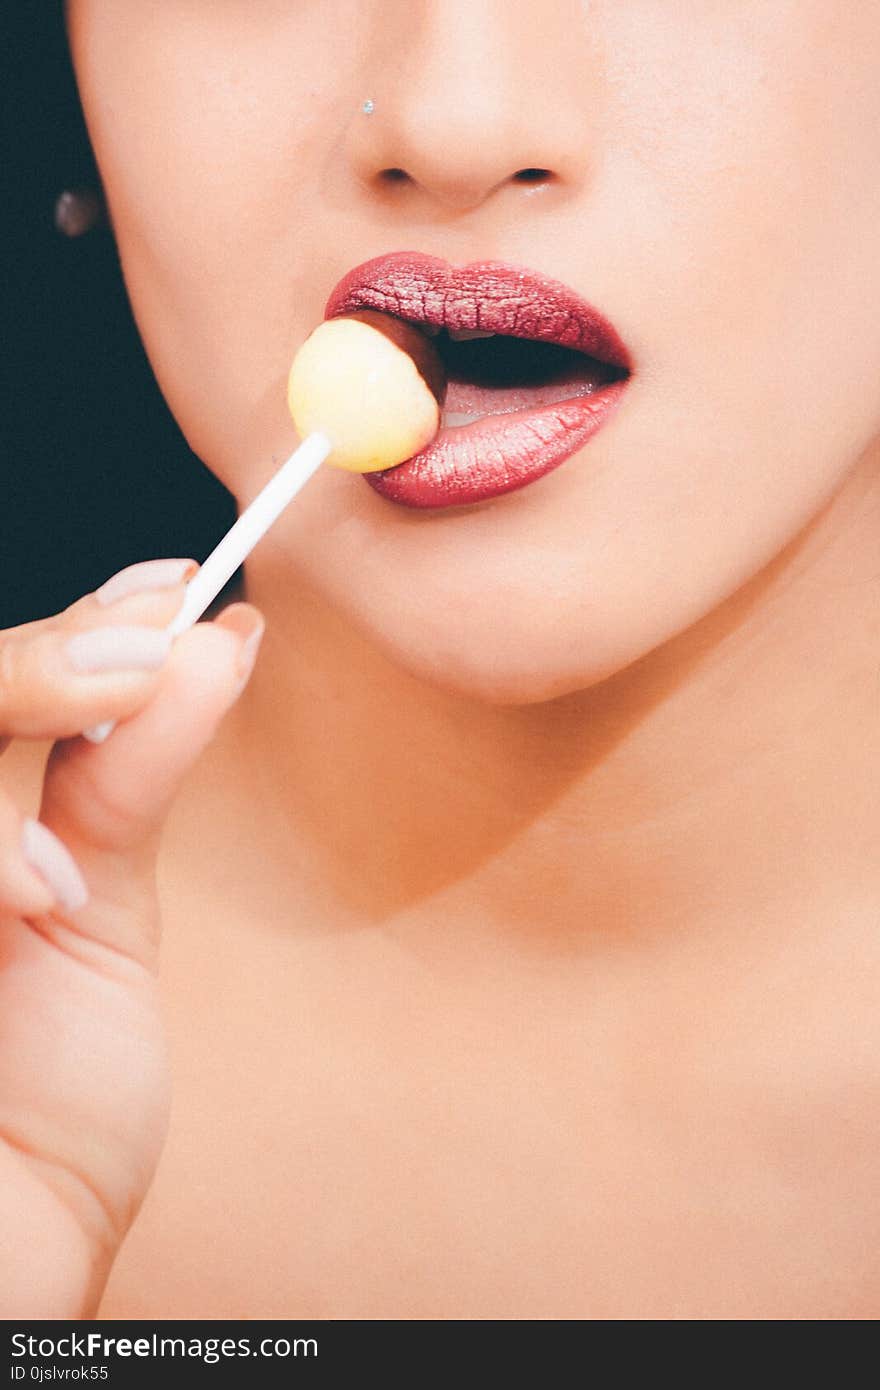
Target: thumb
[108,802]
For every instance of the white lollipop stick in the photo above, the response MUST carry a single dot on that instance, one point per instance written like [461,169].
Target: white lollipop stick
[238,543]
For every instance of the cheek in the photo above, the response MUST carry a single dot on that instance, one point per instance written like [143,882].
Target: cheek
[752,158]
[211,140]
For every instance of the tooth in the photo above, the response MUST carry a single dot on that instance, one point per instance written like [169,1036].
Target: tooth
[453,418]
[463,335]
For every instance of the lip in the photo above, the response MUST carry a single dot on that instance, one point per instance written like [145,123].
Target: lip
[500,452]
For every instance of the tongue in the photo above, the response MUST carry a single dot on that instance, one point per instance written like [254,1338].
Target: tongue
[498,375]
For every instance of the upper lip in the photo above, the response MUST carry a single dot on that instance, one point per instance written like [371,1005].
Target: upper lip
[489,295]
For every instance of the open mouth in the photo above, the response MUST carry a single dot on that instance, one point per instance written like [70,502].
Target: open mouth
[495,374]
[532,369]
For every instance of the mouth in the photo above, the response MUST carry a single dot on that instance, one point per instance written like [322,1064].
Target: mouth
[533,372]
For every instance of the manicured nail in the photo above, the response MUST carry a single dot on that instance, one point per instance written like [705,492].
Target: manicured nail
[144,576]
[247,656]
[53,861]
[118,649]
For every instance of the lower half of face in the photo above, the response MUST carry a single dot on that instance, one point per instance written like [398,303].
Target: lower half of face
[712,187]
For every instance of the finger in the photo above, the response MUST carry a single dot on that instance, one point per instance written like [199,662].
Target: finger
[98,660]
[34,872]
[129,593]
[107,802]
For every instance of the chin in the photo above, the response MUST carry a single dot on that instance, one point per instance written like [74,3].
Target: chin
[512,669]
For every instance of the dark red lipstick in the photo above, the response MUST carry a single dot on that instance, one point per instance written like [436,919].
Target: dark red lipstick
[534,371]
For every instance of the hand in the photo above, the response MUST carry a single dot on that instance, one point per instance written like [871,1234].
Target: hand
[83,1068]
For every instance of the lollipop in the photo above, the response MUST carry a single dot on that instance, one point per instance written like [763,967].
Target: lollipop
[365,392]
[373,384]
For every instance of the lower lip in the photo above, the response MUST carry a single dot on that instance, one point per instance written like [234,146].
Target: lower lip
[500,453]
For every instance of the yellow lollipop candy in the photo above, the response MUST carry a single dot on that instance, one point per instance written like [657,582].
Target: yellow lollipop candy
[373,384]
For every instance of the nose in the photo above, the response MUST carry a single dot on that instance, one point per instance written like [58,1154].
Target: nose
[467,100]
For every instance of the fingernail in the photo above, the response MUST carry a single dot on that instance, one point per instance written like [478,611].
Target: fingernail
[44,852]
[144,576]
[247,656]
[118,649]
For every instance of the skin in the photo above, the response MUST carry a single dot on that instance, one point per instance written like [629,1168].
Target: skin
[521,920]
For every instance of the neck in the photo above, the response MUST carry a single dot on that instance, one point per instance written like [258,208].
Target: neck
[727,771]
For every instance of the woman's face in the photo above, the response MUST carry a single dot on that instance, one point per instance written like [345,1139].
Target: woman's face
[713,189]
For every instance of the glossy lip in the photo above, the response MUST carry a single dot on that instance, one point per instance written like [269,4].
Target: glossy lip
[502,452]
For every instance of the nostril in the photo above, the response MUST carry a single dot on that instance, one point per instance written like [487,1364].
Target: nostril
[532,176]
[394,175]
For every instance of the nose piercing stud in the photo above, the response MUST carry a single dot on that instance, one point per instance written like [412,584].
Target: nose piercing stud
[368,107]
